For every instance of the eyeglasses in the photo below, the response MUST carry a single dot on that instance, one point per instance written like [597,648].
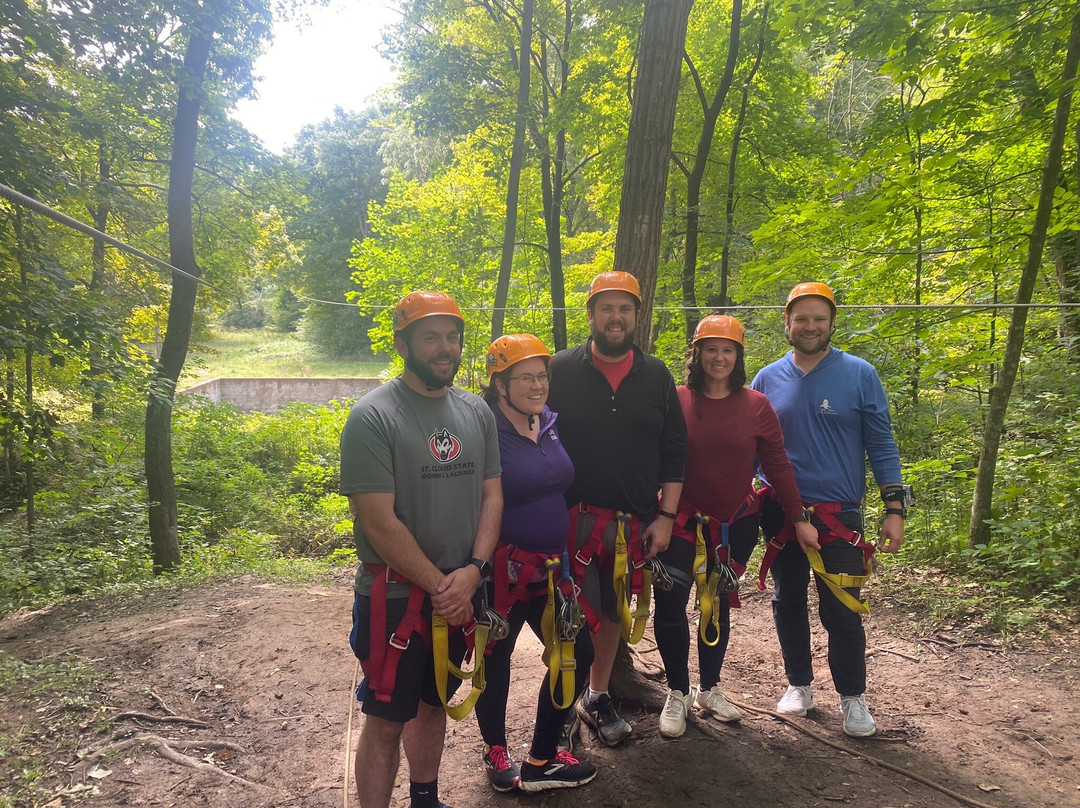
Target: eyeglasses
[529,379]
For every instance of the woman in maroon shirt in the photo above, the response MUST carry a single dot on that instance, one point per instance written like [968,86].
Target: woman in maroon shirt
[731,430]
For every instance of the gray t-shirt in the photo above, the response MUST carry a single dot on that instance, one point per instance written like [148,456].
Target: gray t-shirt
[433,454]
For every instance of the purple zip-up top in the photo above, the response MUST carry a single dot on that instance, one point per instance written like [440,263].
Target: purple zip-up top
[535,477]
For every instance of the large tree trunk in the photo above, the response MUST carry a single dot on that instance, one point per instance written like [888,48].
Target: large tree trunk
[722,298]
[160,484]
[979,529]
[696,175]
[517,156]
[648,149]
[641,210]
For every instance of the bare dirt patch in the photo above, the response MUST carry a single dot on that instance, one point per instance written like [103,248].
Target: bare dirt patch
[267,669]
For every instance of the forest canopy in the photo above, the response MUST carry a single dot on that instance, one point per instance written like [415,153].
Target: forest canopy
[903,154]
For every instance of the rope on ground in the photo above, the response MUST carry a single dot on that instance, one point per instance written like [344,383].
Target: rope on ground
[858,754]
[348,732]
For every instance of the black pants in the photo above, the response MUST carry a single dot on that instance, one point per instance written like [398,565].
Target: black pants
[670,624]
[847,637]
[491,706]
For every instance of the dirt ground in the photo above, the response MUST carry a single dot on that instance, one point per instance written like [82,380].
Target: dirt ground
[268,670]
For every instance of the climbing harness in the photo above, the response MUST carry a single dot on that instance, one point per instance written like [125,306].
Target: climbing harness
[381,665]
[631,576]
[837,582]
[720,579]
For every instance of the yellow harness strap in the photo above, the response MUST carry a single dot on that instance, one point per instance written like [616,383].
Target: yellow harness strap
[558,653]
[840,582]
[705,587]
[632,622]
[444,668]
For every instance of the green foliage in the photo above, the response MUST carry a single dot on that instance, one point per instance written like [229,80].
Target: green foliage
[252,489]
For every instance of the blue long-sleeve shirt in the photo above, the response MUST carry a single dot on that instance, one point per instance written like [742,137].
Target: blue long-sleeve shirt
[834,418]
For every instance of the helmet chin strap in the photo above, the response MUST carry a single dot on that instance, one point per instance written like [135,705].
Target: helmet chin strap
[513,406]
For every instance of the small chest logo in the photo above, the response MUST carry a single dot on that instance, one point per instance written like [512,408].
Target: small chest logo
[825,408]
[444,446]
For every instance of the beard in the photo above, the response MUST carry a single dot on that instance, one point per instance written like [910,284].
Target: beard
[432,379]
[606,346]
[810,346]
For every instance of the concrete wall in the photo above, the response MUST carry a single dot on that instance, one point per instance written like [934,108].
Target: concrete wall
[269,395]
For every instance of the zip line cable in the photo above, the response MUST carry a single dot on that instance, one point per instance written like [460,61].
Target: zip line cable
[29,202]
[12,195]
[737,308]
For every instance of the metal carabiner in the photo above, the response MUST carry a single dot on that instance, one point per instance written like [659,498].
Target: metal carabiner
[661,577]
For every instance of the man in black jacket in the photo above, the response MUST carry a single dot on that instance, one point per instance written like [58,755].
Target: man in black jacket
[620,421]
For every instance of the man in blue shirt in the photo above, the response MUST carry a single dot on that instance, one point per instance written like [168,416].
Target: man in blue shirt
[835,416]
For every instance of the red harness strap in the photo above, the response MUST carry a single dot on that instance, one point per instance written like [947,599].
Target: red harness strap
[381,665]
[834,529]
[593,547]
[688,518]
[532,569]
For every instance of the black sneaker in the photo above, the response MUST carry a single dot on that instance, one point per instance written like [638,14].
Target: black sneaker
[562,771]
[501,771]
[570,728]
[601,716]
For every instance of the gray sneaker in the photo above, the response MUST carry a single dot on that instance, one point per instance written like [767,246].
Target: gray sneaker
[601,716]
[858,723]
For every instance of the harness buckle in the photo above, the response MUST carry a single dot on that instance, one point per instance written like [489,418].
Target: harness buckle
[401,645]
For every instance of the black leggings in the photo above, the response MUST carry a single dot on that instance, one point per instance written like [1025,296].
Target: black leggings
[491,706]
[670,623]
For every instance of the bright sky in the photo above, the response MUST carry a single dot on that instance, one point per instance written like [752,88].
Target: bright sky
[309,71]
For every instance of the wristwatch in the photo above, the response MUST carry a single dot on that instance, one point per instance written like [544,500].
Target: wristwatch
[483,566]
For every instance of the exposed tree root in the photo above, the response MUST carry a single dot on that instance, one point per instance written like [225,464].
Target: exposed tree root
[168,750]
[801,727]
[134,715]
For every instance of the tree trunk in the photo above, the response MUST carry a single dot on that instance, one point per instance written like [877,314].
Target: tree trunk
[517,156]
[1067,263]
[979,529]
[160,485]
[733,158]
[100,213]
[648,149]
[701,162]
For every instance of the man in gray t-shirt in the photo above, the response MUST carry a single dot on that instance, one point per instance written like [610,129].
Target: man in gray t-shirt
[420,466]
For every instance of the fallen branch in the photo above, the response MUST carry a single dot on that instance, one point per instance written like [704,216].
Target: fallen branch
[801,727]
[132,715]
[160,701]
[870,651]
[168,750]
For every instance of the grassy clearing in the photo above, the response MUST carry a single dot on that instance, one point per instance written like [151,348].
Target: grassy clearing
[263,353]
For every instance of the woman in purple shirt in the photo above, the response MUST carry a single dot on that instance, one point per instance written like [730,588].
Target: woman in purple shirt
[536,471]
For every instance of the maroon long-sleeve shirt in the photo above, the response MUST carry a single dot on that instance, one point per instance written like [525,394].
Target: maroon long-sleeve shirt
[728,437]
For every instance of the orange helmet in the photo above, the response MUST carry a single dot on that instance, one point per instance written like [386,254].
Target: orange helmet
[810,289]
[417,305]
[719,325]
[513,348]
[614,282]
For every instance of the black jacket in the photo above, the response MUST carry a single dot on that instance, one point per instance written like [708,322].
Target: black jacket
[623,445]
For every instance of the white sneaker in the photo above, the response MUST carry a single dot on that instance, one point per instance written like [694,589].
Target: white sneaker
[858,723]
[673,716]
[798,700]
[714,702]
